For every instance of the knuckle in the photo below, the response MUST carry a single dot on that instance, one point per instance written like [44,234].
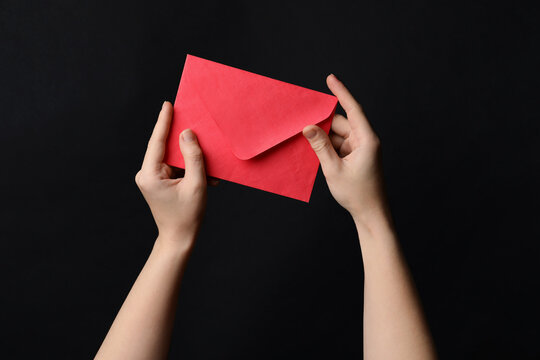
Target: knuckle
[320,145]
[373,142]
[196,156]
[138,177]
[197,187]
[355,107]
[143,181]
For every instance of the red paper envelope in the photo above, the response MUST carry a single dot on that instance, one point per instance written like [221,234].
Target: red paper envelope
[249,127]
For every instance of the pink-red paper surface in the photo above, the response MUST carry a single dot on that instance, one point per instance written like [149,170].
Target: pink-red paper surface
[249,127]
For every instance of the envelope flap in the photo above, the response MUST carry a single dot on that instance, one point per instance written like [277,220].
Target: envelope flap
[254,112]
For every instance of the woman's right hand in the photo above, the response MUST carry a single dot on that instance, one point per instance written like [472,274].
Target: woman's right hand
[350,158]
[177,203]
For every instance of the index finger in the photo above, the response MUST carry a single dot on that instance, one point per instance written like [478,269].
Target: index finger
[357,119]
[156,144]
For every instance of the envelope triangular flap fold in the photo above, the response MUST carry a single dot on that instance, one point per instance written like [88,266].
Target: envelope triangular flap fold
[261,112]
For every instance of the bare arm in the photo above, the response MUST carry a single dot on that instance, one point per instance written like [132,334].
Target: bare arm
[394,324]
[143,326]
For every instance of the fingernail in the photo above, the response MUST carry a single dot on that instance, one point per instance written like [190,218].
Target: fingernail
[332,74]
[162,106]
[310,134]
[187,135]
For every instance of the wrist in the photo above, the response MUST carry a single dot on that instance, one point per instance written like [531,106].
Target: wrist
[176,243]
[373,222]
[173,254]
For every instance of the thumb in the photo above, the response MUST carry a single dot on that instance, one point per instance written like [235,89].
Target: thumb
[193,157]
[320,142]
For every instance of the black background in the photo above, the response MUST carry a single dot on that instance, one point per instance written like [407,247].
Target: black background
[451,88]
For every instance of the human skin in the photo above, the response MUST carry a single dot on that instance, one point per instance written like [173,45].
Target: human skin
[143,326]
[394,325]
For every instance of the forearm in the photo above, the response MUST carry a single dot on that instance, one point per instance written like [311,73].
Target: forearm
[143,325]
[394,325]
